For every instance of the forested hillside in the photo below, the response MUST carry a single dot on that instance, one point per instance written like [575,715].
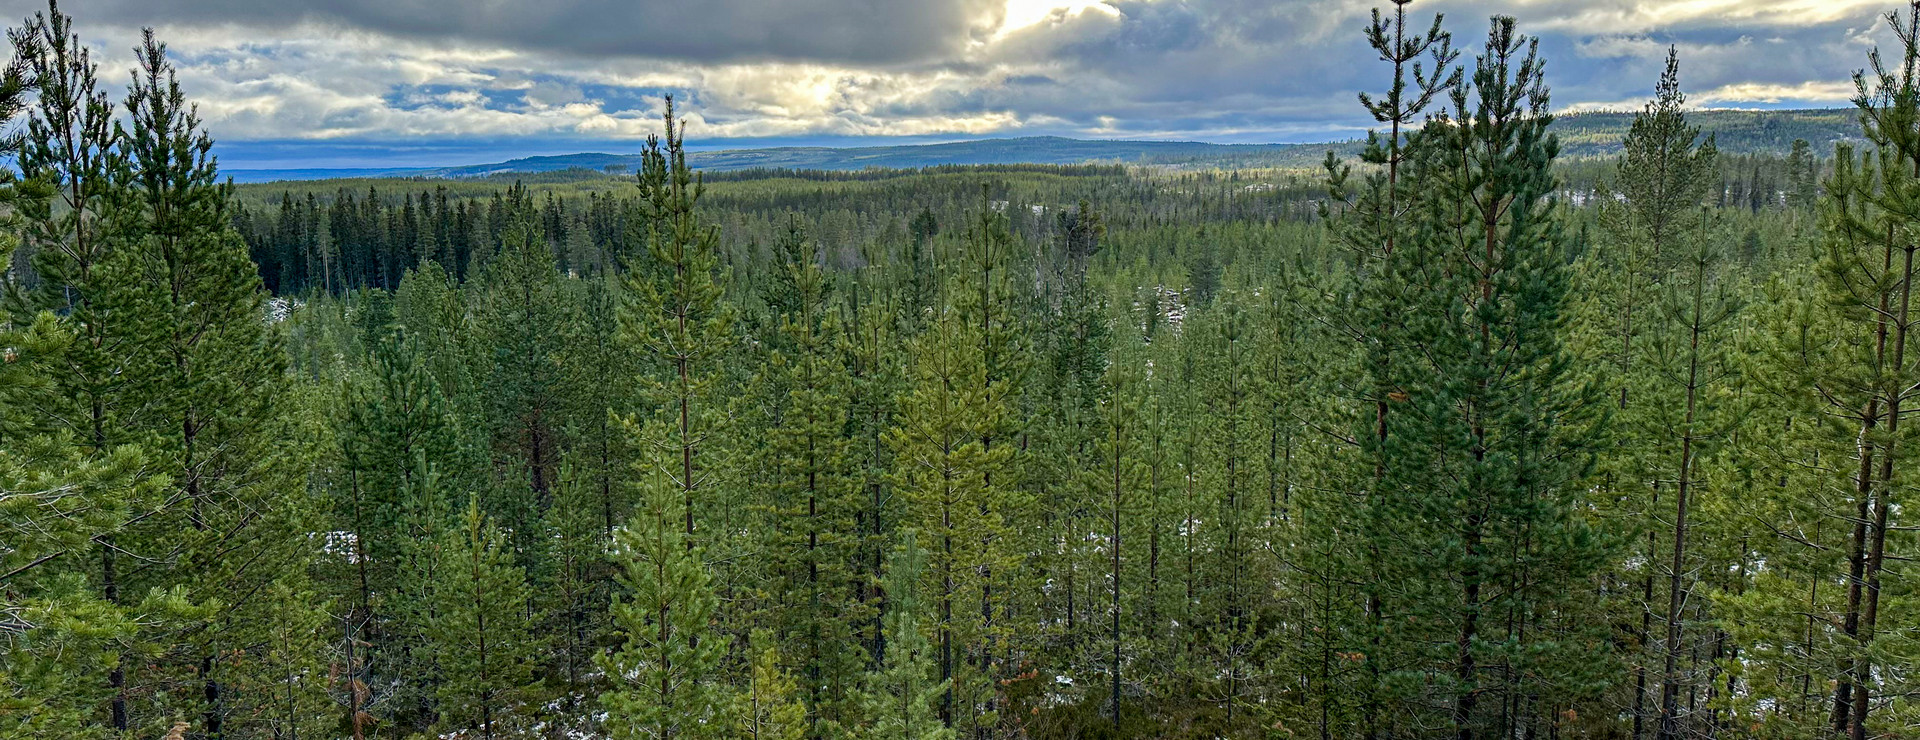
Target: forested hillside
[1595,134]
[1463,436]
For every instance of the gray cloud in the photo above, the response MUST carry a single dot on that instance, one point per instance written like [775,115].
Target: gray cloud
[864,31]
[1230,70]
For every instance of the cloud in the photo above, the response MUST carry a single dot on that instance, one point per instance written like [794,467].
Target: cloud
[1640,16]
[867,31]
[572,74]
[1825,93]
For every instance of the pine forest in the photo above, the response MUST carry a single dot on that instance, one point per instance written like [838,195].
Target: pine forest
[1459,438]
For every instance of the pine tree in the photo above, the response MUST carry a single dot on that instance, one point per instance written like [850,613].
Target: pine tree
[519,310]
[214,411]
[1690,354]
[1228,505]
[285,696]
[901,696]
[809,495]
[397,420]
[868,346]
[78,267]
[431,311]
[946,472]
[59,634]
[574,592]
[1373,222]
[1498,434]
[395,438]
[770,707]
[676,317]
[1117,482]
[1073,347]
[482,633]
[1783,473]
[594,363]
[1652,220]
[1858,368]
[398,661]
[664,671]
[985,310]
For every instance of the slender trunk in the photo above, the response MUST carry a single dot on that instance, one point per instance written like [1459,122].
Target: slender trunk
[1070,548]
[480,613]
[1114,552]
[946,604]
[879,537]
[1466,694]
[686,445]
[685,392]
[1845,704]
[1670,681]
[354,684]
[1882,503]
[1153,553]
[606,474]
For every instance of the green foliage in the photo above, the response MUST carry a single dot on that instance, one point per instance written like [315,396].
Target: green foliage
[901,696]
[1509,436]
[770,707]
[674,315]
[947,471]
[663,672]
[809,491]
[483,631]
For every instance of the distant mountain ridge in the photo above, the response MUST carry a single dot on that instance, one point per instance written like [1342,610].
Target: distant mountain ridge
[1581,134]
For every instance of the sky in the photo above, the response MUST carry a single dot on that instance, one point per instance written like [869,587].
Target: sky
[393,83]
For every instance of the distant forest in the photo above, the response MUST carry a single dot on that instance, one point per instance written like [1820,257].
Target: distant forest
[1582,135]
[1488,427]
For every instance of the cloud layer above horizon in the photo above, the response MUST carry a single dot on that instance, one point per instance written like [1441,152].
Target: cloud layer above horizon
[392,82]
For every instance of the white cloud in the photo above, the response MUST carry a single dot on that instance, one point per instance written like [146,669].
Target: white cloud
[1640,16]
[1221,69]
[1817,93]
